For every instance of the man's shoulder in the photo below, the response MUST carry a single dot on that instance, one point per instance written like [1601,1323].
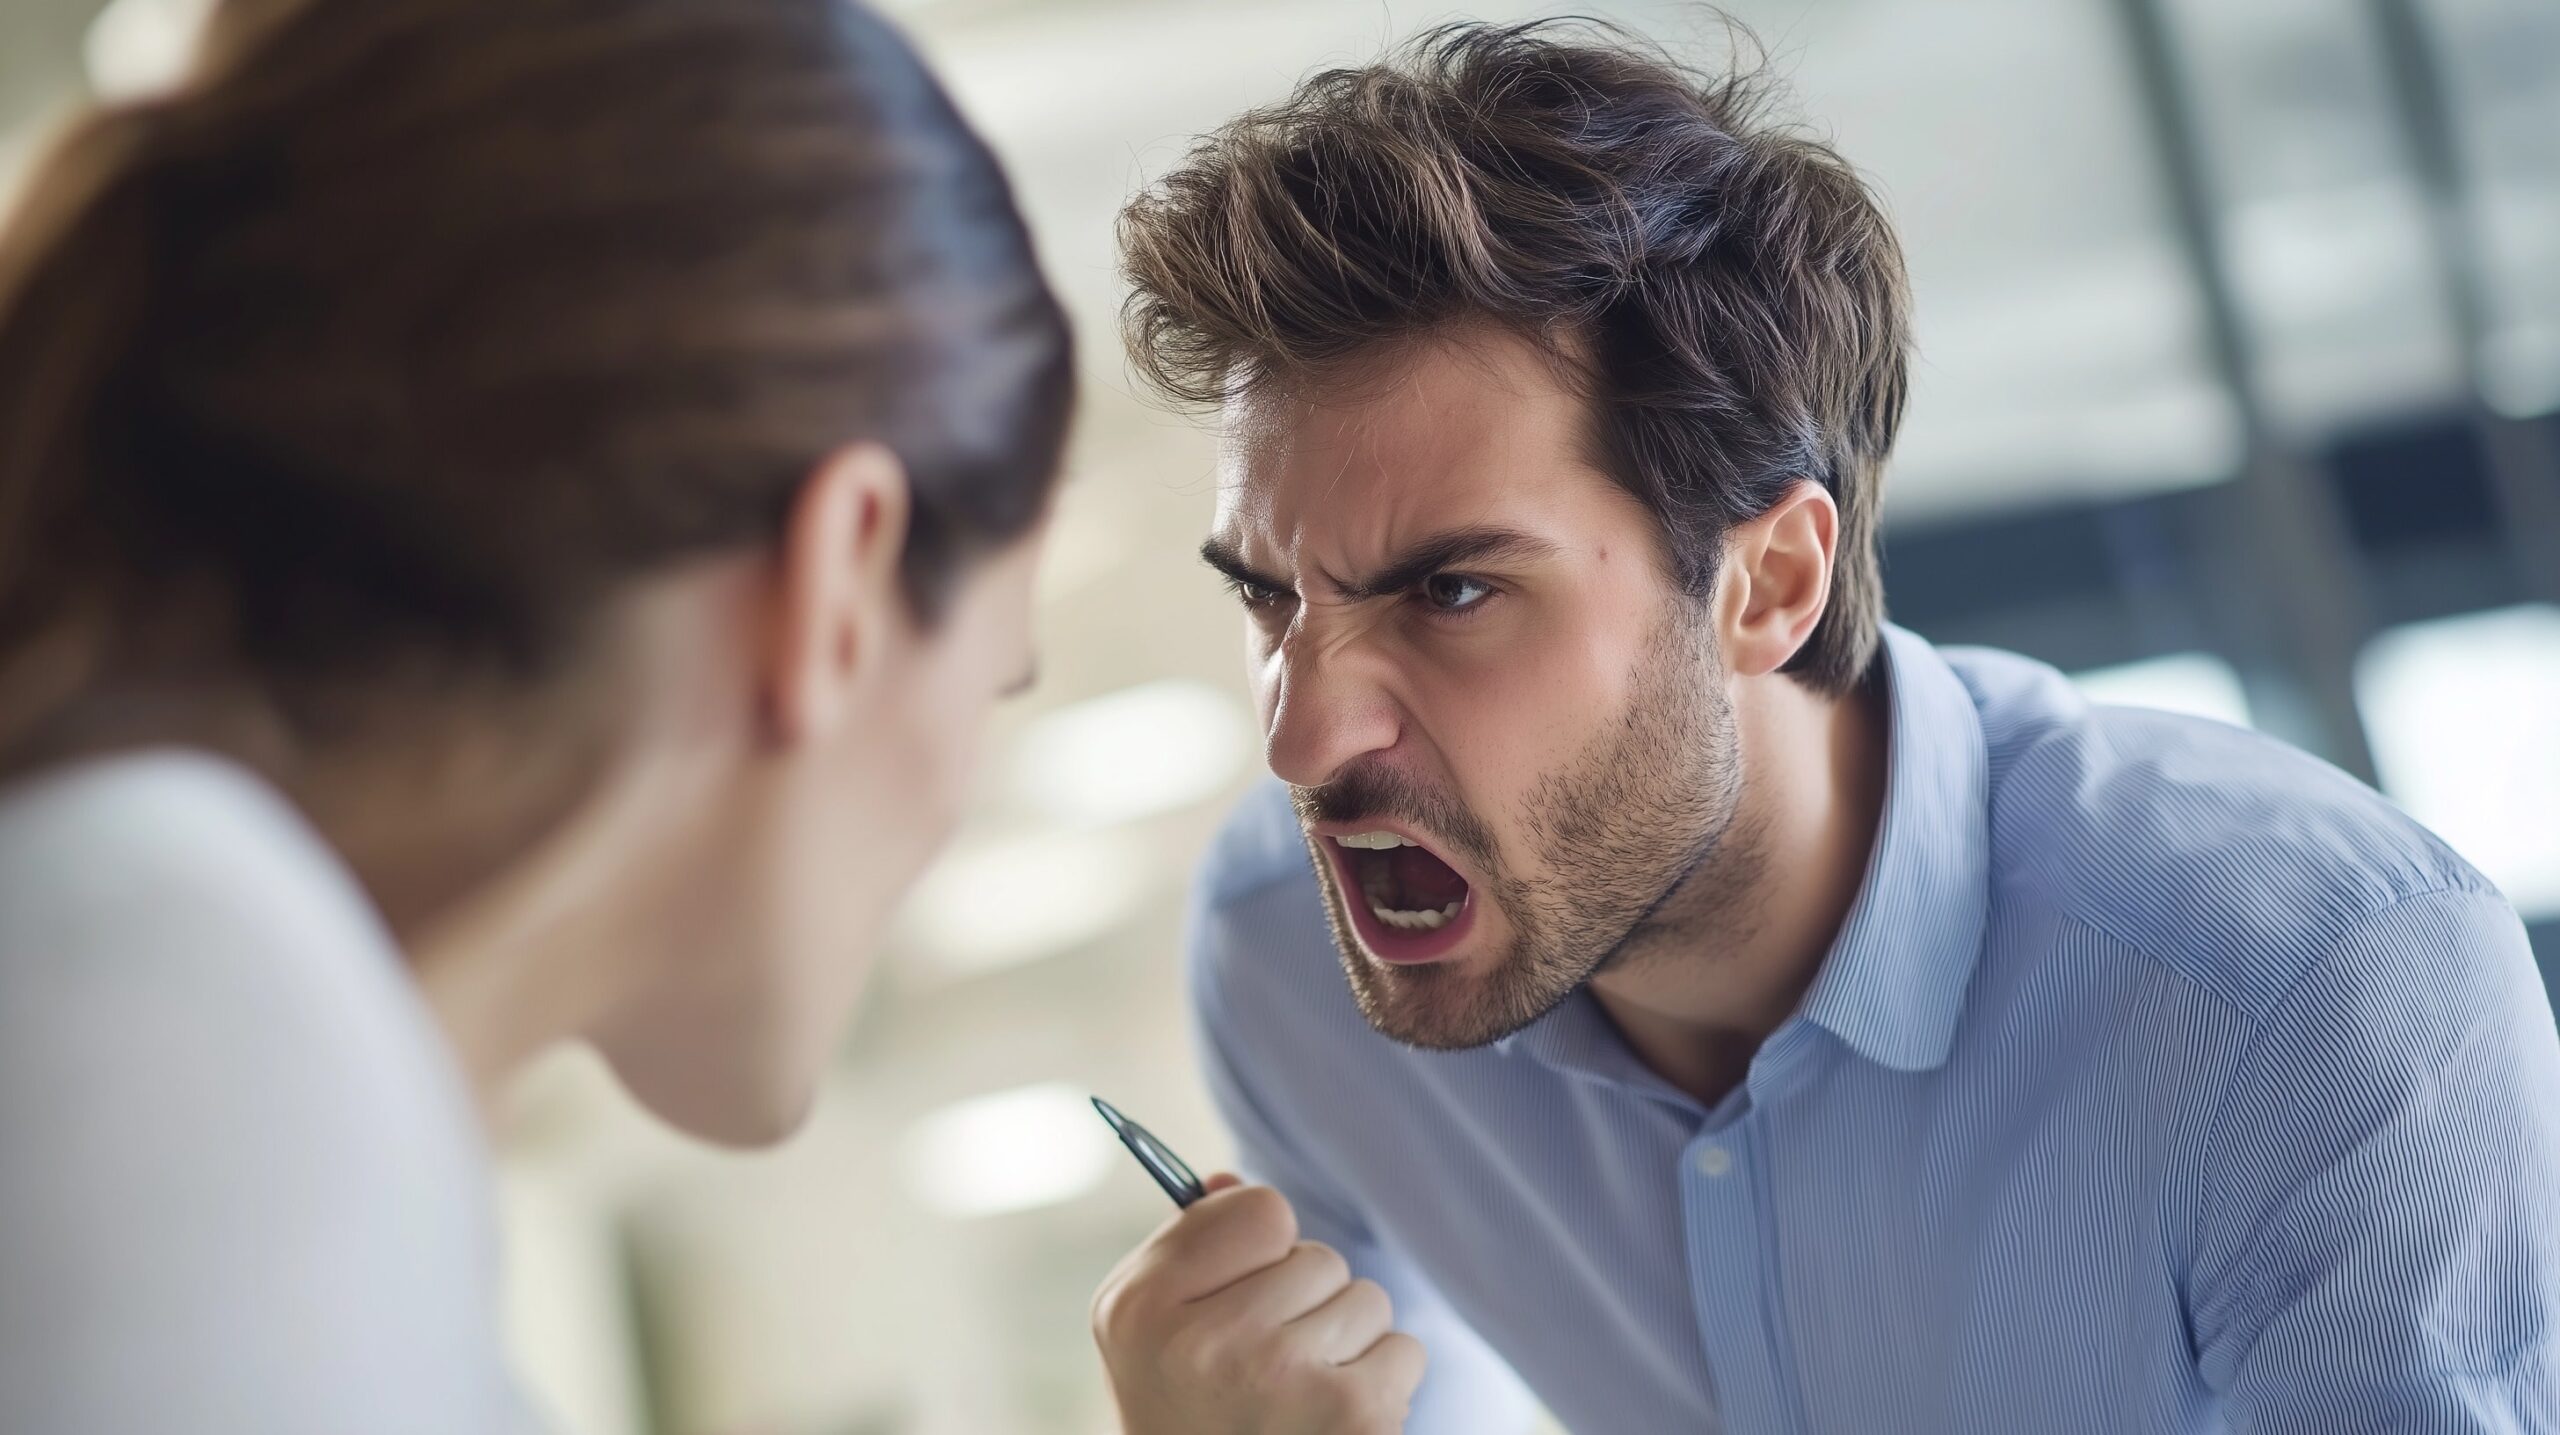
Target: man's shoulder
[2227,855]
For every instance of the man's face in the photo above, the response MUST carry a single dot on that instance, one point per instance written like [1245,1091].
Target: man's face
[1508,735]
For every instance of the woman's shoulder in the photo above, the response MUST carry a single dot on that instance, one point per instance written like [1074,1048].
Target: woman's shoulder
[174,889]
[232,1146]
[116,851]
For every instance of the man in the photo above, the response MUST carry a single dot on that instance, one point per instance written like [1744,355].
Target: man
[1756,1018]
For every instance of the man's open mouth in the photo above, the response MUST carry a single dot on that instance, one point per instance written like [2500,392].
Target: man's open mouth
[1408,904]
[1407,886]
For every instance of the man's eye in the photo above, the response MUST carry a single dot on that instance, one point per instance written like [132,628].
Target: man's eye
[1454,592]
[1254,595]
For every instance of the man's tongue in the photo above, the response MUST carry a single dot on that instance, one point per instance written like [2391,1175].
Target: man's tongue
[1416,881]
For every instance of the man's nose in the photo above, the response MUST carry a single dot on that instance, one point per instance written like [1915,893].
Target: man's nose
[1324,708]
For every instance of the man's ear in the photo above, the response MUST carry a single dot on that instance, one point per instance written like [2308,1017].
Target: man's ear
[837,590]
[1775,579]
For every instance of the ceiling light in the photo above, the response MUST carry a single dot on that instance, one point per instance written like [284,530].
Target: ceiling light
[2459,712]
[1007,1151]
[1134,753]
[992,903]
[138,47]
[2197,684]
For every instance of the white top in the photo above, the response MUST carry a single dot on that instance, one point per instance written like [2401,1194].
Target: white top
[241,1187]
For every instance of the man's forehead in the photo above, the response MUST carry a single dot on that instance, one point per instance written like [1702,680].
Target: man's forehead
[1448,429]
[1397,391]
[1350,494]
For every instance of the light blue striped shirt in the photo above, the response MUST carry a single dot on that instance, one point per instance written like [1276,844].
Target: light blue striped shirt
[2162,1079]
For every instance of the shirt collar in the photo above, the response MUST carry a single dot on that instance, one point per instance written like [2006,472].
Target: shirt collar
[1893,984]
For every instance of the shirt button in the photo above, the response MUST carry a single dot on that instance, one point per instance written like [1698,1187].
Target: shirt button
[1715,1161]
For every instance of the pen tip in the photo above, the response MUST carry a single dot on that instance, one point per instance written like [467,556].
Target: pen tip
[1109,1112]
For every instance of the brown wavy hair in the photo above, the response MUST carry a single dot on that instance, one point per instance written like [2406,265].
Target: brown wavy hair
[1724,288]
[401,335]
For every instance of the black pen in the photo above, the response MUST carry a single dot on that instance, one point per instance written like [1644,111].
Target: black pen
[1158,1158]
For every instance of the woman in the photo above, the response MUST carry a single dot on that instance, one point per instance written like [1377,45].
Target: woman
[512,514]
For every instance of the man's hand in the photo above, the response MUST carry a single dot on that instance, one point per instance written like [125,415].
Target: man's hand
[1225,1323]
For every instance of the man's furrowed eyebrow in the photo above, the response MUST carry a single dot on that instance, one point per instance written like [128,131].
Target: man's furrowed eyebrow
[1453,549]
[1224,556]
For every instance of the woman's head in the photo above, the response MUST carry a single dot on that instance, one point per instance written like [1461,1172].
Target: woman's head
[660,389]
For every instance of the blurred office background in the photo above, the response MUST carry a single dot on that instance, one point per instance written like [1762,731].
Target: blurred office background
[2239,356]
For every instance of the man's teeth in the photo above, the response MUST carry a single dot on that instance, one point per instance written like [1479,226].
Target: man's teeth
[1426,920]
[1423,921]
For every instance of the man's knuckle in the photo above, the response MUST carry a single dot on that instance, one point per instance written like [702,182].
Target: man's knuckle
[1110,1311]
[1267,1213]
[1353,1405]
[1196,1353]
[1409,1360]
[1130,1314]
[1325,1262]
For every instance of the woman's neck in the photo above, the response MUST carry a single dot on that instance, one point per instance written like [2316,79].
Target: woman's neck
[476,857]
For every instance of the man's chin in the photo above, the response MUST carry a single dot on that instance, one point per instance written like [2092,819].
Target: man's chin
[1452,1004]
[1434,1013]
[1460,999]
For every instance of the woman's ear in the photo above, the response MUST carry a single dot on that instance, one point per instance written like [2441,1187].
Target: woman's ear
[1775,579]
[837,591]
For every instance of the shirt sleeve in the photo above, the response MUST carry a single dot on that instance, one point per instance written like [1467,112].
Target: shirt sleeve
[2378,1246]
[1468,1389]
[223,1207]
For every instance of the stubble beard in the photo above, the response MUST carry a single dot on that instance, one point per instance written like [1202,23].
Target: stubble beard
[1639,835]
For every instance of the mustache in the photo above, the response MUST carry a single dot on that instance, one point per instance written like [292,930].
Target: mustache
[1365,794]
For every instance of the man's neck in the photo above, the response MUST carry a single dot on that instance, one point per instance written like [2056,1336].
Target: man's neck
[1812,805]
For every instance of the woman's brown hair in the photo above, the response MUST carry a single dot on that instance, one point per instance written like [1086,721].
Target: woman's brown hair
[408,330]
